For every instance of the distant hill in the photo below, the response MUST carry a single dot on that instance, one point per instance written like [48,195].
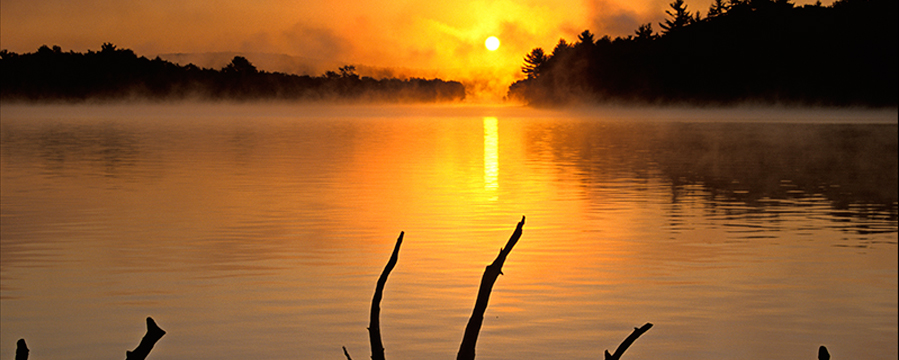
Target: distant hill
[766,51]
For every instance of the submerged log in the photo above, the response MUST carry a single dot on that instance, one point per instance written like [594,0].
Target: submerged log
[374,325]
[154,333]
[21,350]
[627,342]
[491,273]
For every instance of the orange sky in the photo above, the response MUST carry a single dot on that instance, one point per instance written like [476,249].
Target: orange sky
[412,34]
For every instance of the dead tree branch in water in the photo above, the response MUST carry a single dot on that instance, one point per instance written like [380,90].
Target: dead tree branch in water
[154,333]
[627,342]
[21,350]
[347,354]
[491,273]
[374,325]
[823,354]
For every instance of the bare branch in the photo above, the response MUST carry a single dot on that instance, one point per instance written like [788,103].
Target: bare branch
[627,342]
[823,354]
[347,354]
[21,350]
[493,271]
[154,333]
[374,325]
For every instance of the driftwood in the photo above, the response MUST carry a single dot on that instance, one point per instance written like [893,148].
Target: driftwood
[472,330]
[469,339]
[627,342]
[154,333]
[374,325]
[491,273]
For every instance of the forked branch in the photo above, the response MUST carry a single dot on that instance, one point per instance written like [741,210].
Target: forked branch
[374,325]
[493,271]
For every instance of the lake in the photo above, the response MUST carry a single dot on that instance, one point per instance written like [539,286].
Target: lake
[259,231]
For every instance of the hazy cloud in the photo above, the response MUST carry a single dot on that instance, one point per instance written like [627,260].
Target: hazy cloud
[316,42]
[618,18]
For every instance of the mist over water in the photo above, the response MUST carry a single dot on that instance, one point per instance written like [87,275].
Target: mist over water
[258,231]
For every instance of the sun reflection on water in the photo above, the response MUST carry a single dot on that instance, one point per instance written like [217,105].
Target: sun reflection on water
[491,155]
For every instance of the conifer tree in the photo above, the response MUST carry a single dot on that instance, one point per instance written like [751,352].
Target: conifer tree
[679,18]
[532,63]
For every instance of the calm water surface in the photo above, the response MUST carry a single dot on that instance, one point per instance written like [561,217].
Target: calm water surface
[259,232]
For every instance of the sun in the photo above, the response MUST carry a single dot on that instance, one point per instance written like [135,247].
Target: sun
[492,43]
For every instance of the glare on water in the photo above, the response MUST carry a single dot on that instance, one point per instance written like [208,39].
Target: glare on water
[259,232]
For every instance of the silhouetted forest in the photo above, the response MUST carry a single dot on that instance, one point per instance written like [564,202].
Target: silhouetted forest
[737,51]
[118,74]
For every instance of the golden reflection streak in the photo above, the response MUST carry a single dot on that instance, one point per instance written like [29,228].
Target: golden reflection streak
[491,155]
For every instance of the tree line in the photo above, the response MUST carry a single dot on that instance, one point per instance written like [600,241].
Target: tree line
[113,74]
[767,51]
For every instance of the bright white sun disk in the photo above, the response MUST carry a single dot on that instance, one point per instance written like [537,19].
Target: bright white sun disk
[492,43]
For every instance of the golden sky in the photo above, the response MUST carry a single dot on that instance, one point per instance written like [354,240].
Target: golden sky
[412,34]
